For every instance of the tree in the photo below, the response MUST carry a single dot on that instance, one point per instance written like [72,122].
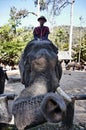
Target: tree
[11,47]
[42,3]
[5,34]
[83,48]
[15,17]
[54,6]
[60,37]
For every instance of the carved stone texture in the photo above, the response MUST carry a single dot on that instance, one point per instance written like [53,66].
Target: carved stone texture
[32,111]
[5,115]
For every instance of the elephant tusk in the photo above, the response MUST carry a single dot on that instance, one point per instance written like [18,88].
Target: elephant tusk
[63,94]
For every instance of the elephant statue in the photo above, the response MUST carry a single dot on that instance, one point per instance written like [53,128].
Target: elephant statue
[40,72]
[39,62]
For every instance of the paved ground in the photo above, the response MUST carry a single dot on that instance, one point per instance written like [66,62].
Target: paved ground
[72,82]
[75,83]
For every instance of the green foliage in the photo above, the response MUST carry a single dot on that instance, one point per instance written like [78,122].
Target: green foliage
[11,47]
[5,34]
[60,37]
[12,38]
[79,46]
[83,47]
[10,52]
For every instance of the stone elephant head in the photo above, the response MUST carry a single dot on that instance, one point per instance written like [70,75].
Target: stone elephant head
[40,73]
[39,66]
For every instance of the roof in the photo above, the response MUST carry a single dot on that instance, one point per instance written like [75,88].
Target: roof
[64,55]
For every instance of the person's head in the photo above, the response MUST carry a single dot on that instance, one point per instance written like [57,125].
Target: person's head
[42,20]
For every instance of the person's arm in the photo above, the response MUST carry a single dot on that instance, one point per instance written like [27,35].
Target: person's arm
[34,34]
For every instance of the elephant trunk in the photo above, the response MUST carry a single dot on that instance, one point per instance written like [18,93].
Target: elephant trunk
[53,107]
[29,112]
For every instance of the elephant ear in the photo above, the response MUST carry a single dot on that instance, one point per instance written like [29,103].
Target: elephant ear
[55,49]
[58,70]
[53,107]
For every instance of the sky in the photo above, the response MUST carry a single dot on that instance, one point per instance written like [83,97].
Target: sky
[79,9]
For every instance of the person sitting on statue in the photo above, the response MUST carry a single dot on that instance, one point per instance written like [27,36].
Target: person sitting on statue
[41,32]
